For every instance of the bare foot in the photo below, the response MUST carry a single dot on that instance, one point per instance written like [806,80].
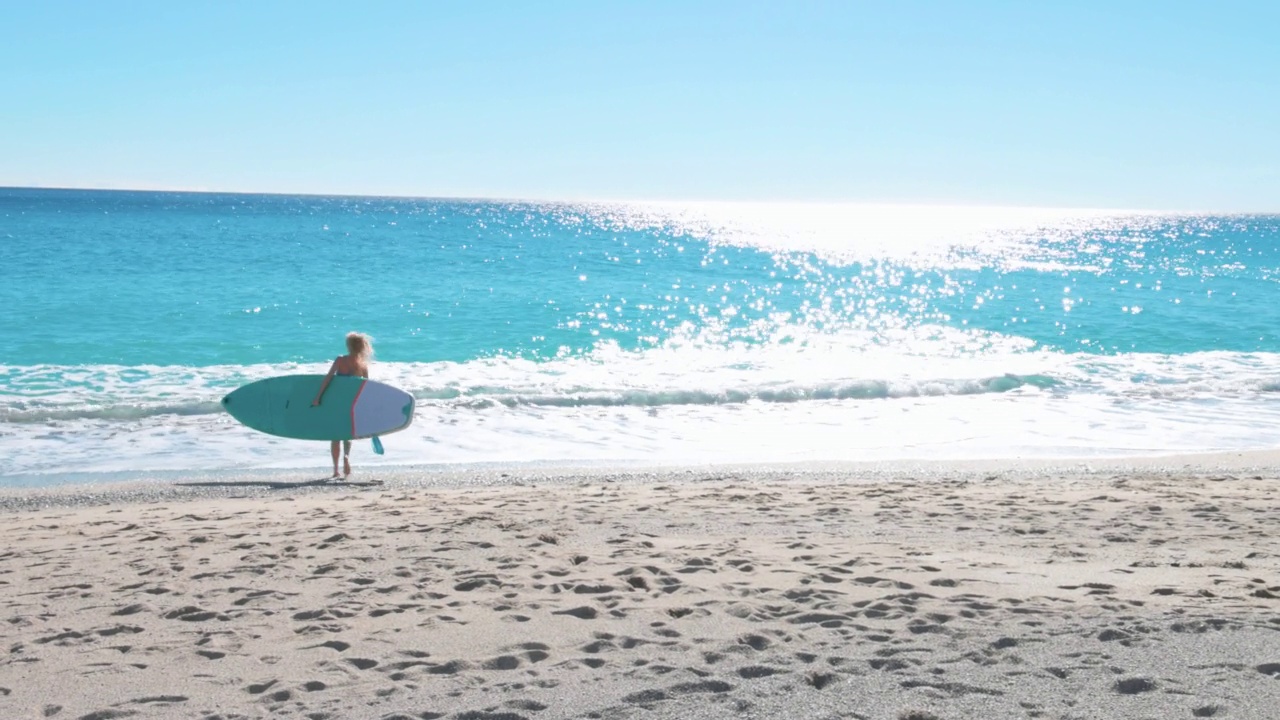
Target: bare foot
[346,467]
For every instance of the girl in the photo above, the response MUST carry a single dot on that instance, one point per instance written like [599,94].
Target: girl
[354,363]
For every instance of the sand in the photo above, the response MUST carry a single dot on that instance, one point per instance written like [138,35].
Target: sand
[982,591]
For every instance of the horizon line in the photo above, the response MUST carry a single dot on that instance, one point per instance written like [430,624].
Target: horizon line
[532,199]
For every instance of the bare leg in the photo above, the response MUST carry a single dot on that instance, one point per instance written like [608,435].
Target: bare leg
[346,463]
[333,450]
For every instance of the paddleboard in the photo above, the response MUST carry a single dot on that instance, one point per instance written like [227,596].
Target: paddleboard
[352,408]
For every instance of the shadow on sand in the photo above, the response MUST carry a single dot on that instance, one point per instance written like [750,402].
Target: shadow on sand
[281,485]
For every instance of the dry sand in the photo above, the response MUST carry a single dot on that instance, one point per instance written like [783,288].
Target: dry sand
[684,594]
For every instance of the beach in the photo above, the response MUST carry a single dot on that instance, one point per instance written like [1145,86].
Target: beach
[699,361]
[1119,589]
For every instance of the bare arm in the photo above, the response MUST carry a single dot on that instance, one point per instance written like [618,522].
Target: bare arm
[324,385]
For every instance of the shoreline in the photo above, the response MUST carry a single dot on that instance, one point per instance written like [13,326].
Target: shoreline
[195,485]
[757,593]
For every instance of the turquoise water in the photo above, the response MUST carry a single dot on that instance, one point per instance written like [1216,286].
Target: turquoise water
[633,332]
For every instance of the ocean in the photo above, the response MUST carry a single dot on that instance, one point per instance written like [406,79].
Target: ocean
[631,333]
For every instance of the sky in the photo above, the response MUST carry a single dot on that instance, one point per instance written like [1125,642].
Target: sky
[1136,105]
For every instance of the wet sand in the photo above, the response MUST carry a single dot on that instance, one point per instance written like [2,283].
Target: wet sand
[898,592]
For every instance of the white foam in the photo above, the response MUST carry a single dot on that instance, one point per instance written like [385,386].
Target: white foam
[936,394]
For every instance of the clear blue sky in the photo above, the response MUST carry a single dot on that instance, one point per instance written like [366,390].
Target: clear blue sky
[1160,105]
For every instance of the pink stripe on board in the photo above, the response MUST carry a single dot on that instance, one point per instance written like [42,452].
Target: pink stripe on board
[353,408]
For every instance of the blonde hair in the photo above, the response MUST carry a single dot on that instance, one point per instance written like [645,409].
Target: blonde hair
[360,345]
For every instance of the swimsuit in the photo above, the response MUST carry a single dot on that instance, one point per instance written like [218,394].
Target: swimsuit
[343,374]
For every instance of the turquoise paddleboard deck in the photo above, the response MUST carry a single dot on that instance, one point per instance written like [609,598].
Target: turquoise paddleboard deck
[352,408]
